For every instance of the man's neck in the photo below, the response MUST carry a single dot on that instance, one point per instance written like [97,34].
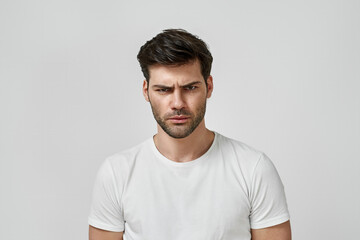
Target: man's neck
[184,149]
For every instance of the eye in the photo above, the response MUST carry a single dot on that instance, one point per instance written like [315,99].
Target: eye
[190,88]
[162,90]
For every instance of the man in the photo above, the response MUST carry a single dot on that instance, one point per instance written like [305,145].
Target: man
[186,182]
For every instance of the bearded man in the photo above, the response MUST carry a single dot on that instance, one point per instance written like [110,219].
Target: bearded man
[186,182]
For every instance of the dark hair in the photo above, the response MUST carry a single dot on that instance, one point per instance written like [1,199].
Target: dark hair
[175,47]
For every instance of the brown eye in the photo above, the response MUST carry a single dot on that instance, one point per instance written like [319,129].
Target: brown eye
[191,88]
[162,90]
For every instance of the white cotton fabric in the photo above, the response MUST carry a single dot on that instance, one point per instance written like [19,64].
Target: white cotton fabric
[221,195]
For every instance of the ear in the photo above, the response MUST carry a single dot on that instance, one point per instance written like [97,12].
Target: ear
[210,86]
[145,90]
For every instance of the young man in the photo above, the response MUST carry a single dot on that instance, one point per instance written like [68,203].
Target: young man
[186,182]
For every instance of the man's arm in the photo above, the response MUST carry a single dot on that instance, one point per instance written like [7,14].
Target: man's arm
[277,232]
[99,234]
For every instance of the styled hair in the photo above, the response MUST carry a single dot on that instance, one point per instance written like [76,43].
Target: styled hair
[174,47]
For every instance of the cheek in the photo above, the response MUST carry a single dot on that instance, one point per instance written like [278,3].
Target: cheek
[197,102]
[158,104]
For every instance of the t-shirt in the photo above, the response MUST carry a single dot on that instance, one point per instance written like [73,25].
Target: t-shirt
[229,190]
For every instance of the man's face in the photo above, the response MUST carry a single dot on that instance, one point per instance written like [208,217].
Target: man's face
[177,95]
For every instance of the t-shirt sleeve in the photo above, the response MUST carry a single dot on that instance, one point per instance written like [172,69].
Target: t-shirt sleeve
[267,197]
[106,212]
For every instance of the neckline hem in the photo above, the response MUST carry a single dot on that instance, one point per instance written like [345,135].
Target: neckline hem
[183,164]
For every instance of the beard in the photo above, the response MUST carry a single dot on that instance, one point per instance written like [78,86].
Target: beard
[180,130]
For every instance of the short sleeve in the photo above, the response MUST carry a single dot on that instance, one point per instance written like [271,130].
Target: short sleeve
[105,210]
[267,196]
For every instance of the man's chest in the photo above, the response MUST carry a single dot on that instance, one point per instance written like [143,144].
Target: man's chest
[207,203]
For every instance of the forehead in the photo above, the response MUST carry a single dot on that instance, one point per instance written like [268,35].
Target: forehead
[173,75]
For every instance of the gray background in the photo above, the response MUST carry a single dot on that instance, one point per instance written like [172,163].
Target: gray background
[286,77]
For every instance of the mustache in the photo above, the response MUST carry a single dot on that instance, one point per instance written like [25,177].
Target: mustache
[182,112]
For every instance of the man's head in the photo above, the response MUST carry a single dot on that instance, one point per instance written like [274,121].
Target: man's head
[174,47]
[176,66]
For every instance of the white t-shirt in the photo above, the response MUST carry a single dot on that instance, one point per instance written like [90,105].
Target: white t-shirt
[221,195]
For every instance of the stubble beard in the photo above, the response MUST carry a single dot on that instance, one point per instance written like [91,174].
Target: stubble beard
[180,130]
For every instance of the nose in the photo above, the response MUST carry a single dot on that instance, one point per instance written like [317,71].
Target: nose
[178,100]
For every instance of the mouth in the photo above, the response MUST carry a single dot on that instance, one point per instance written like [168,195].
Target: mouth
[179,119]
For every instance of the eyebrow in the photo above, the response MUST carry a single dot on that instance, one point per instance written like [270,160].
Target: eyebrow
[183,86]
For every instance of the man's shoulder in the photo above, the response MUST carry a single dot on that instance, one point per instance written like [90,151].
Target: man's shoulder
[238,146]
[248,158]
[128,155]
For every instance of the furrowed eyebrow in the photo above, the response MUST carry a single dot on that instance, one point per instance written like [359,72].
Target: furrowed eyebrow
[161,86]
[190,84]
[183,86]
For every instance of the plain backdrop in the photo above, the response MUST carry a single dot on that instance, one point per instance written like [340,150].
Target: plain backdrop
[286,81]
